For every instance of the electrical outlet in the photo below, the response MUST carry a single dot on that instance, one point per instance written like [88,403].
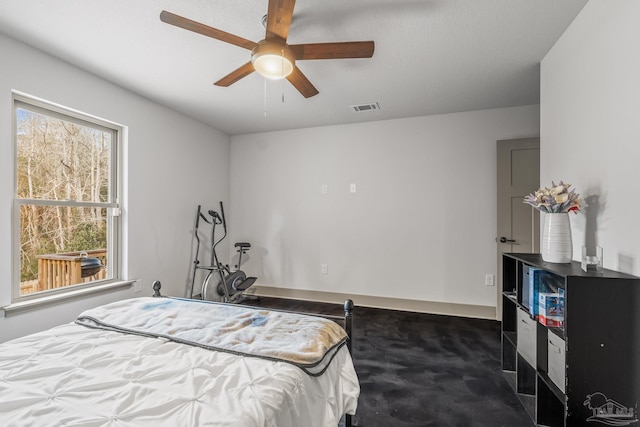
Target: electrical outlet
[325,189]
[137,286]
[489,280]
[353,188]
[324,269]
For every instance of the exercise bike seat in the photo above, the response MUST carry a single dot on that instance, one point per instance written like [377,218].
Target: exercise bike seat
[243,245]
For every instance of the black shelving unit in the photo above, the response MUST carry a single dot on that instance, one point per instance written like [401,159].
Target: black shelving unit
[586,372]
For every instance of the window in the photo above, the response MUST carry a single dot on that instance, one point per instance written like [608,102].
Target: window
[66,212]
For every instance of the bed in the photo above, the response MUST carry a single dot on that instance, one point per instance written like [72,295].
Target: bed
[174,362]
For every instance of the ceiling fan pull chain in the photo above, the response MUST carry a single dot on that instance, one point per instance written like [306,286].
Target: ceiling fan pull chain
[265,98]
[282,71]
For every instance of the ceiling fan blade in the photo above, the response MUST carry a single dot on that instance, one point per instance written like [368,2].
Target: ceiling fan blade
[236,75]
[337,50]
[197,27]
[279,18]
[300,82]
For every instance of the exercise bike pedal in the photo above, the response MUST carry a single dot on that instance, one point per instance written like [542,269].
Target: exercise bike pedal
[245,284]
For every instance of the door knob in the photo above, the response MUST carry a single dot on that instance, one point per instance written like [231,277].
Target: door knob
[505,240]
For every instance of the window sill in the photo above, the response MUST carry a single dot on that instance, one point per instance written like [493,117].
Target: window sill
[52,299]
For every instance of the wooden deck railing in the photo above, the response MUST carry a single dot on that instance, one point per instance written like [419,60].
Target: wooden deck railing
[63,269]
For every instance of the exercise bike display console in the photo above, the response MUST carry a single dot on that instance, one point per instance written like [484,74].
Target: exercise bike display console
[220,282]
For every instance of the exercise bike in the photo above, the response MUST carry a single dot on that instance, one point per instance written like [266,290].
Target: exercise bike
[220,282]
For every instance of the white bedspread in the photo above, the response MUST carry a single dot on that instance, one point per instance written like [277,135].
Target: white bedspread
[72,375]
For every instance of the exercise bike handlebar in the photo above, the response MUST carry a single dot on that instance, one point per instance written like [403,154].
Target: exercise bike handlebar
[217,220]
[200,215]
[224,221]
[205,218]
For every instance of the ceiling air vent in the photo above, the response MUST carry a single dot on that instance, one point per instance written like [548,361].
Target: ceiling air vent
[365,107]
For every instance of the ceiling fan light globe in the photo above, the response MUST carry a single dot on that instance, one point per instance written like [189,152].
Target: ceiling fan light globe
[272,66]
[273,59]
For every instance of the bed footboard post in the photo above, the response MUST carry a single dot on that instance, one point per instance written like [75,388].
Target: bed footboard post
[348,321]
[156,288]
[348,326]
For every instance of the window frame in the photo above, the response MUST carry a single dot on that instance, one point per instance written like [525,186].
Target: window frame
[113,204]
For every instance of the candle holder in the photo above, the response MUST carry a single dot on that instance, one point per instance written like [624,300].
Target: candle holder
[592,262]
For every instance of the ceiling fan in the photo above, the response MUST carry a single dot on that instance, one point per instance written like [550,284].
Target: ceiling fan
[272,57]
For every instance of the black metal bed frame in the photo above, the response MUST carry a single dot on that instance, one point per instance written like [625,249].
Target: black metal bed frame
[347,319]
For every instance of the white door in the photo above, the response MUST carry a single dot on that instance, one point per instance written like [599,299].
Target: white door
[518,224]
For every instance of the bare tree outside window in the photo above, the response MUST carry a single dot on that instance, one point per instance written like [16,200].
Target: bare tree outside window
[65,192]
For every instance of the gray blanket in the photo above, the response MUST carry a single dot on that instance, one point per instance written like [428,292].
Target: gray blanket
[308,342]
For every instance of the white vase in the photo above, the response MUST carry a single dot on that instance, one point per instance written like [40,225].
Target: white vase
[557,245]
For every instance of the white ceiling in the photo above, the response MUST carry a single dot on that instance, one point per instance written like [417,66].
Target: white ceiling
[431,56]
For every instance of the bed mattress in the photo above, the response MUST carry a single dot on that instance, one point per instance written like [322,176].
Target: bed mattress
[73,375]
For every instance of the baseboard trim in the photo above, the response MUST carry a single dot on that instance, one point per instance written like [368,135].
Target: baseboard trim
[432,307]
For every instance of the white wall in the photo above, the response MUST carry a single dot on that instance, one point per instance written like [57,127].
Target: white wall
[421,225]
[173,163]
[590,126]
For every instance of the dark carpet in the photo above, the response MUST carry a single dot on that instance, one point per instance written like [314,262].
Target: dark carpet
[424,370]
